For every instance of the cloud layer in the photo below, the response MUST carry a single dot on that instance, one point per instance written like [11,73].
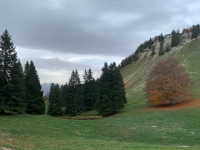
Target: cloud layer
[113,27]
[91,29]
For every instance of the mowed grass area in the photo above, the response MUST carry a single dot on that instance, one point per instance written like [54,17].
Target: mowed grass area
[136,127]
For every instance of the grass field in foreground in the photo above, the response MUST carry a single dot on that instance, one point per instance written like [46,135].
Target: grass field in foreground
[136,127]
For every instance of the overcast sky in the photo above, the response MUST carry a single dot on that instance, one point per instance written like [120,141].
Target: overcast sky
[62,35]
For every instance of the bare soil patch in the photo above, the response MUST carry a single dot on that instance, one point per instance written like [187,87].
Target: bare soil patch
[127,85]
[182,105]
[6,148]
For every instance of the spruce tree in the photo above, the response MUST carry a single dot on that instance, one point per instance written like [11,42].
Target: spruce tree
[18,90]
[167,49]
[11,77]
[153,51]
[161,51]
[111,91]
[195,31]
[90,90]
[55,106]
[161,40]
[34,96]
[26,68]
[175,40]
[74,100]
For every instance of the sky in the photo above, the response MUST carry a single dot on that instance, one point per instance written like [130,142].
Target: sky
[64,35]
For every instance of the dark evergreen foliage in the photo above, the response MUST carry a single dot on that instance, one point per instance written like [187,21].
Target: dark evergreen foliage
[11,77]
[195,31]
[167,49]
[175,40]
[34,95]
[111,91]
[55,102]
[153,51]
[90,90]
[135,56]
[74,99]
[18,90]
[161,40]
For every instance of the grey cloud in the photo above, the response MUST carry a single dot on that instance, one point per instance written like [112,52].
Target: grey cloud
[58,71]
[55,64]
[91,26]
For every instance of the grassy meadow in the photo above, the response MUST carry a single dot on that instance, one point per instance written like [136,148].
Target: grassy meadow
[138,126]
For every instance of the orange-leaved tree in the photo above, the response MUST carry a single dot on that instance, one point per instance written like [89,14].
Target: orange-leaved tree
[168,83]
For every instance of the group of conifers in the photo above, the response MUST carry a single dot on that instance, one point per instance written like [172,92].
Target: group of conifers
[20,89]
[106,95]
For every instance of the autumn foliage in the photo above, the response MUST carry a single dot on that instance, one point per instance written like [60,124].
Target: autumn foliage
[168,83]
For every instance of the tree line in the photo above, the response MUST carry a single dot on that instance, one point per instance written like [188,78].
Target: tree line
[20,90]
[106,94]
[175,40]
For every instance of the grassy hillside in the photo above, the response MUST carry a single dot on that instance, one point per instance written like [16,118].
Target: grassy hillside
[135,74]
[136,127]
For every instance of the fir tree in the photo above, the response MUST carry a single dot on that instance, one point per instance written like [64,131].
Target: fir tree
[18,90]
[195,31]
[111,91]
[26,68]
[11,77]
[55,106]
[161,40]
[74,100]
[175,40]
[90,90]
[153,51]
[161,51]
[34,99]
[167,49]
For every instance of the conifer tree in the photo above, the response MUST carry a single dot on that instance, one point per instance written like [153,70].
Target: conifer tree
[10,76]
[167,49]
[18,90]
[26,68]
[55,106]
[195,31]
[153,51]
[34,99]
[161,40]
[111,91]
[90,90]
[74,100]
[175,40]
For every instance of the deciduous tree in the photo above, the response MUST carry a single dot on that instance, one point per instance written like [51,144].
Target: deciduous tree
[168,83]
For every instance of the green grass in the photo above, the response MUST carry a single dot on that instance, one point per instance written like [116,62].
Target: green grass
[136,127]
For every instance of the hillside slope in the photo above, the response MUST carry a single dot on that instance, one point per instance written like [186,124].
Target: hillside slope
[135,74]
